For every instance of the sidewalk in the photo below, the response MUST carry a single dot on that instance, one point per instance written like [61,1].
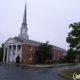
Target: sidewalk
[54,65]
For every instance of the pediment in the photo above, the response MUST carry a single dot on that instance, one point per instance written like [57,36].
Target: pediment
[11,40]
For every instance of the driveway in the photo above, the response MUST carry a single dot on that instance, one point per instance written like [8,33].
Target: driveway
[13,72]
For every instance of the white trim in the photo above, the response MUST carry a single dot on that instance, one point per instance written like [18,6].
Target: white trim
[7,54]
[13,44]
[30,57]
[31,47]
[15,41]
[8,40]
[16,52]
[11,52]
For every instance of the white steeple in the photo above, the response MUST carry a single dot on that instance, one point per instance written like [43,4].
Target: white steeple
[24,17]
[23,30]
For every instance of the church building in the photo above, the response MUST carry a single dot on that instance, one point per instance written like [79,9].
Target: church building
[25,48]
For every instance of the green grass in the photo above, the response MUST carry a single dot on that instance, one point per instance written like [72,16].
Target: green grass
[70,72]
[45,64]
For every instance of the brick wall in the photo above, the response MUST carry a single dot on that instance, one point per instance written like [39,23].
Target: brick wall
[26,52]
[57,54]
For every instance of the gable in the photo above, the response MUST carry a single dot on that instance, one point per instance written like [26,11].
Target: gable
[11,40]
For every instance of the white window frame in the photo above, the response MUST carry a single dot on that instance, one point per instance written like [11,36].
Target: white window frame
[30,57]
[31,47]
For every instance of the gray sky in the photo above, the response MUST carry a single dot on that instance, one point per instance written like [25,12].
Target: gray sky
[48,20]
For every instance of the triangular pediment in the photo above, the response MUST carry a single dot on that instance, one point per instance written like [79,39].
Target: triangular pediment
[11,40]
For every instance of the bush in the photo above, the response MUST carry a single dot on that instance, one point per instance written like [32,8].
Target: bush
[1,54]
[17,59]
[1,57]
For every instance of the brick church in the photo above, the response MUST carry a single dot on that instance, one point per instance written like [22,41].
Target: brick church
[24,47]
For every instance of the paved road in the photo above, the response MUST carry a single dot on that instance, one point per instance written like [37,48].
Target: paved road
[13,72]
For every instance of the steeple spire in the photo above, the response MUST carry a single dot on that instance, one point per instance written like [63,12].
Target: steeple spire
[24,17]
[23,30]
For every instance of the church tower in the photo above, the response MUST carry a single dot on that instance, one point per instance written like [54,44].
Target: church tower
[23,30]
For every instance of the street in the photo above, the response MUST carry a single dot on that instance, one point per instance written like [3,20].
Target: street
[14,72]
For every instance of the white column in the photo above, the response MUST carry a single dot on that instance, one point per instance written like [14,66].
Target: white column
[21,54]
[16,52]
[4,54]
[7,53]
[11,52]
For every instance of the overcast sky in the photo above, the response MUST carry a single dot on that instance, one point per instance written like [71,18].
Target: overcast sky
[48,20]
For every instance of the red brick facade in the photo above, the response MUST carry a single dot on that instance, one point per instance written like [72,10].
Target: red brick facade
[57,54]
[26,52]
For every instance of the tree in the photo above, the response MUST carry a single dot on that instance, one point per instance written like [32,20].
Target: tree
[71,56]
[73,38]
[1,52]
[44,52]
[17,59]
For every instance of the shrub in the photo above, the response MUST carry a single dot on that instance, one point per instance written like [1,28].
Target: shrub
[17,59]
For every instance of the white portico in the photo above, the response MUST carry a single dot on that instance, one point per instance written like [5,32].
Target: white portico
[12,49]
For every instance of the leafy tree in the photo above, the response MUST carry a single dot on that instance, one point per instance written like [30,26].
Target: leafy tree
[17,59]
[71,55]
[73,39]
[74,36]
[44,52]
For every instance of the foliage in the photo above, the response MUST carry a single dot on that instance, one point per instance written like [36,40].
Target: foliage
[17,59]
[73,40]
[71,55]
[1,52]
[74,36]
[44,52]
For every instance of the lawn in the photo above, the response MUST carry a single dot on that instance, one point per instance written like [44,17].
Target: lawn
[46,64]
[70,72]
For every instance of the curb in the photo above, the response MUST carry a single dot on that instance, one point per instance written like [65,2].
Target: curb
[68,78]
[15,63]
[41,66]
[53,65]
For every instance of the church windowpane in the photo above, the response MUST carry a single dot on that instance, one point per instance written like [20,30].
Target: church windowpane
[30,47]
[30,57]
